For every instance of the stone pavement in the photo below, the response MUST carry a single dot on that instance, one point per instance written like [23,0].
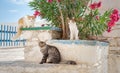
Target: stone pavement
[11,54]
[30,67]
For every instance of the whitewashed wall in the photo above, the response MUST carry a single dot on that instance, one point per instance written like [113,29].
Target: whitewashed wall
[114,51]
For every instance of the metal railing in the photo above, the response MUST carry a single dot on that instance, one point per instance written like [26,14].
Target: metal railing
[6,33]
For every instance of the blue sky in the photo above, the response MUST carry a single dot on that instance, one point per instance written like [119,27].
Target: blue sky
[12,10]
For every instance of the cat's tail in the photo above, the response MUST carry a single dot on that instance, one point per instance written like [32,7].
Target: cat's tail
[69,62]
[17,34]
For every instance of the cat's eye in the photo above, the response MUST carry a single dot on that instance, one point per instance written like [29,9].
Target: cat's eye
[42,42]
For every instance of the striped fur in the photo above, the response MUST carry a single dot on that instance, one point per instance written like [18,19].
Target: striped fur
[52,55]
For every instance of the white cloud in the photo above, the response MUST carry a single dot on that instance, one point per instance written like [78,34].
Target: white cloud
[13,11]
[20,1]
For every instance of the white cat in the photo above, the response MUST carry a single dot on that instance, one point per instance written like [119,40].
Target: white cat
[26,21]
[73,29]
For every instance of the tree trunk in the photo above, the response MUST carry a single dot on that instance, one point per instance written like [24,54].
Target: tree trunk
[64,35]
[65,32]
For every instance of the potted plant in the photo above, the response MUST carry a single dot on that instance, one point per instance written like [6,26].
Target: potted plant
[90,22]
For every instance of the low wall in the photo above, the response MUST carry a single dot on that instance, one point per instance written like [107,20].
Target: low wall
[92,54]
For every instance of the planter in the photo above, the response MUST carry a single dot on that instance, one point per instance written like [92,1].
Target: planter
[81,51]
[90,54]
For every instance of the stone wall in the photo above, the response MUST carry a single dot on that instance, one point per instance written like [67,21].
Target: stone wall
[114,50]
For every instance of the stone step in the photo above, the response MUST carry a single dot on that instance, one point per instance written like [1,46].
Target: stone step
[29,67]
[8,54]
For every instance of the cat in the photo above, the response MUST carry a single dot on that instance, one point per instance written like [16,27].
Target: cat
[73,29]
[26,21]
[51,54]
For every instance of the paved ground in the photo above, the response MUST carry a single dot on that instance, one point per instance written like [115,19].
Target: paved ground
[11,54]
[30,67]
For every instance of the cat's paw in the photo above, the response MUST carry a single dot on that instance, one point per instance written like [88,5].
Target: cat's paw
[41,63]
[49,62]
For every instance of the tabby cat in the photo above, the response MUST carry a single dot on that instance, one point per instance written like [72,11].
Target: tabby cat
[51,54]
[26,21]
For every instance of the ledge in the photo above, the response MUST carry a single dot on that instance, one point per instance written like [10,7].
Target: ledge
[41,28]
[30,67]
[80,42]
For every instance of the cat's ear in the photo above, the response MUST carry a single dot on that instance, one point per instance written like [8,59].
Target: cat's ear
[74,19]
[33,17]
[68,19]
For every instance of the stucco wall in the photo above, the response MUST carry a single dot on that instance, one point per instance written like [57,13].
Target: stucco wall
[114,50]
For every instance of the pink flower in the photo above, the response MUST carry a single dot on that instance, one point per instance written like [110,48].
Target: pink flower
[95,5]
[36,13]
[114,17]
[58,0]
[97,17]
[111,23]
[109,29]
[115,11]
[118,16]
[98,4]
[50,1]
